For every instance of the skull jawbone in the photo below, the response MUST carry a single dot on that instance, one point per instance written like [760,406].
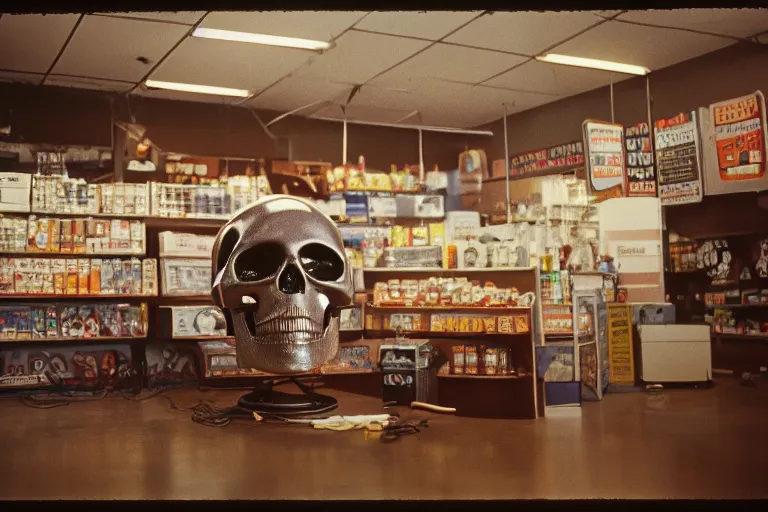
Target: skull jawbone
[286,357]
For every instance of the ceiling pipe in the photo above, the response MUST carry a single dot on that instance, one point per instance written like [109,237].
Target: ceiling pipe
[296,110]
[484,133]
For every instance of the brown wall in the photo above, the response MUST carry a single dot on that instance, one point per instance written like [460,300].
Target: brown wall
[727,73]
[70,116]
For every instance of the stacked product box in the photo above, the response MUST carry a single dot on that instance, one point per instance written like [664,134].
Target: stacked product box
[62,322]
[78,276]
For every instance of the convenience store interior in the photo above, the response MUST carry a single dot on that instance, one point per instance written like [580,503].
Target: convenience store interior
[587,335]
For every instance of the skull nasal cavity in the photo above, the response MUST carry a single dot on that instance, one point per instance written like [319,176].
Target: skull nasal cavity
[291,281]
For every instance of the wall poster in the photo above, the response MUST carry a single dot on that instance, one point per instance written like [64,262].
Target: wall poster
[604,143]
[641,173]
[739,162]
[678,161]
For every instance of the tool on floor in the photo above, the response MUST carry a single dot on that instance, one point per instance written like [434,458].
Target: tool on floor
[433,408]
[340,423]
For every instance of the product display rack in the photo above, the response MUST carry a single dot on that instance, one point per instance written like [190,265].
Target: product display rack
[509,396]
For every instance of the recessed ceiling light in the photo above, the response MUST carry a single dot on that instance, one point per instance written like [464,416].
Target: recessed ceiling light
[247,37]
[604,65]
[202,89]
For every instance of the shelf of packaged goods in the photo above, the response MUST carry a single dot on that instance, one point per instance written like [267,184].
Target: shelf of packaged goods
[61,296]
[5,254]
[135,216]
[449,337]
[448,309]
[194,338]
[761,337]
[735,306]
[337,193]
[437,270]
[485,377]
[96,339]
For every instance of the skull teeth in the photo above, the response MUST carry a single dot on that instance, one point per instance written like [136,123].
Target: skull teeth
[289,325]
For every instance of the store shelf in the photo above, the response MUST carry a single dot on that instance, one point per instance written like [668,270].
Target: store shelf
[71,254]
[97,339]
[735,306]
[563,334]
[486,377]
[384,270]
[39,213]
[183,222]
[171,300]
[339,193]
[196,338]
[59,296]
[440,309]
[746,337]
[442,335]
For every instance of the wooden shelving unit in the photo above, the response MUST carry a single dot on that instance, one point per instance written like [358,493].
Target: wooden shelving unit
[492,396]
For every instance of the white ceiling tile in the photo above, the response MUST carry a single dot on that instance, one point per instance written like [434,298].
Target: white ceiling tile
[186,96]
[732,22]
[428,25]
[88,83]
[19,77]
[229,64]
[458,64]
[316,25]
[186,17]
[294,92]
[452,104]
[535,76]
[363,113]
[359,56]
[528,33]
[108,47]
[30,42]
[652,47]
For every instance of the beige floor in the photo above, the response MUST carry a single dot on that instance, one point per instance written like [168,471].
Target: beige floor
[693,443]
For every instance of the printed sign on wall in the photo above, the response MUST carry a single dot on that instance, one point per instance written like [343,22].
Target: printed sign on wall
[605,159]
[677,160]
[641,175]
[551,158]
[739,146]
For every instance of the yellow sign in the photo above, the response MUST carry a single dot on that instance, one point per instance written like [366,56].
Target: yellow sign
[621,361]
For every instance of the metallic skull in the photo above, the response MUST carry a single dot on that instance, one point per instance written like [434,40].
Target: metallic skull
[280,268]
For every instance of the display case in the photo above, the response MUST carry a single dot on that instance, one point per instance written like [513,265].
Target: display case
[481,322]
[589,320]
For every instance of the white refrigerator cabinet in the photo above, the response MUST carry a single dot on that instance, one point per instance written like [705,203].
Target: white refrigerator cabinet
[675,353]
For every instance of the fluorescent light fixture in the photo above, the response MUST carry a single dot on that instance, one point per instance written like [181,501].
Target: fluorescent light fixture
[594,64]
[247,37]
[202,89]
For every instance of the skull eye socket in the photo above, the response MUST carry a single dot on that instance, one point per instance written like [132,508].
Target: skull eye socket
[259,262]
[321,262]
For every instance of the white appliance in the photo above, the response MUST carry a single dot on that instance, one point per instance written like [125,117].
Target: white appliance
[675,353]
